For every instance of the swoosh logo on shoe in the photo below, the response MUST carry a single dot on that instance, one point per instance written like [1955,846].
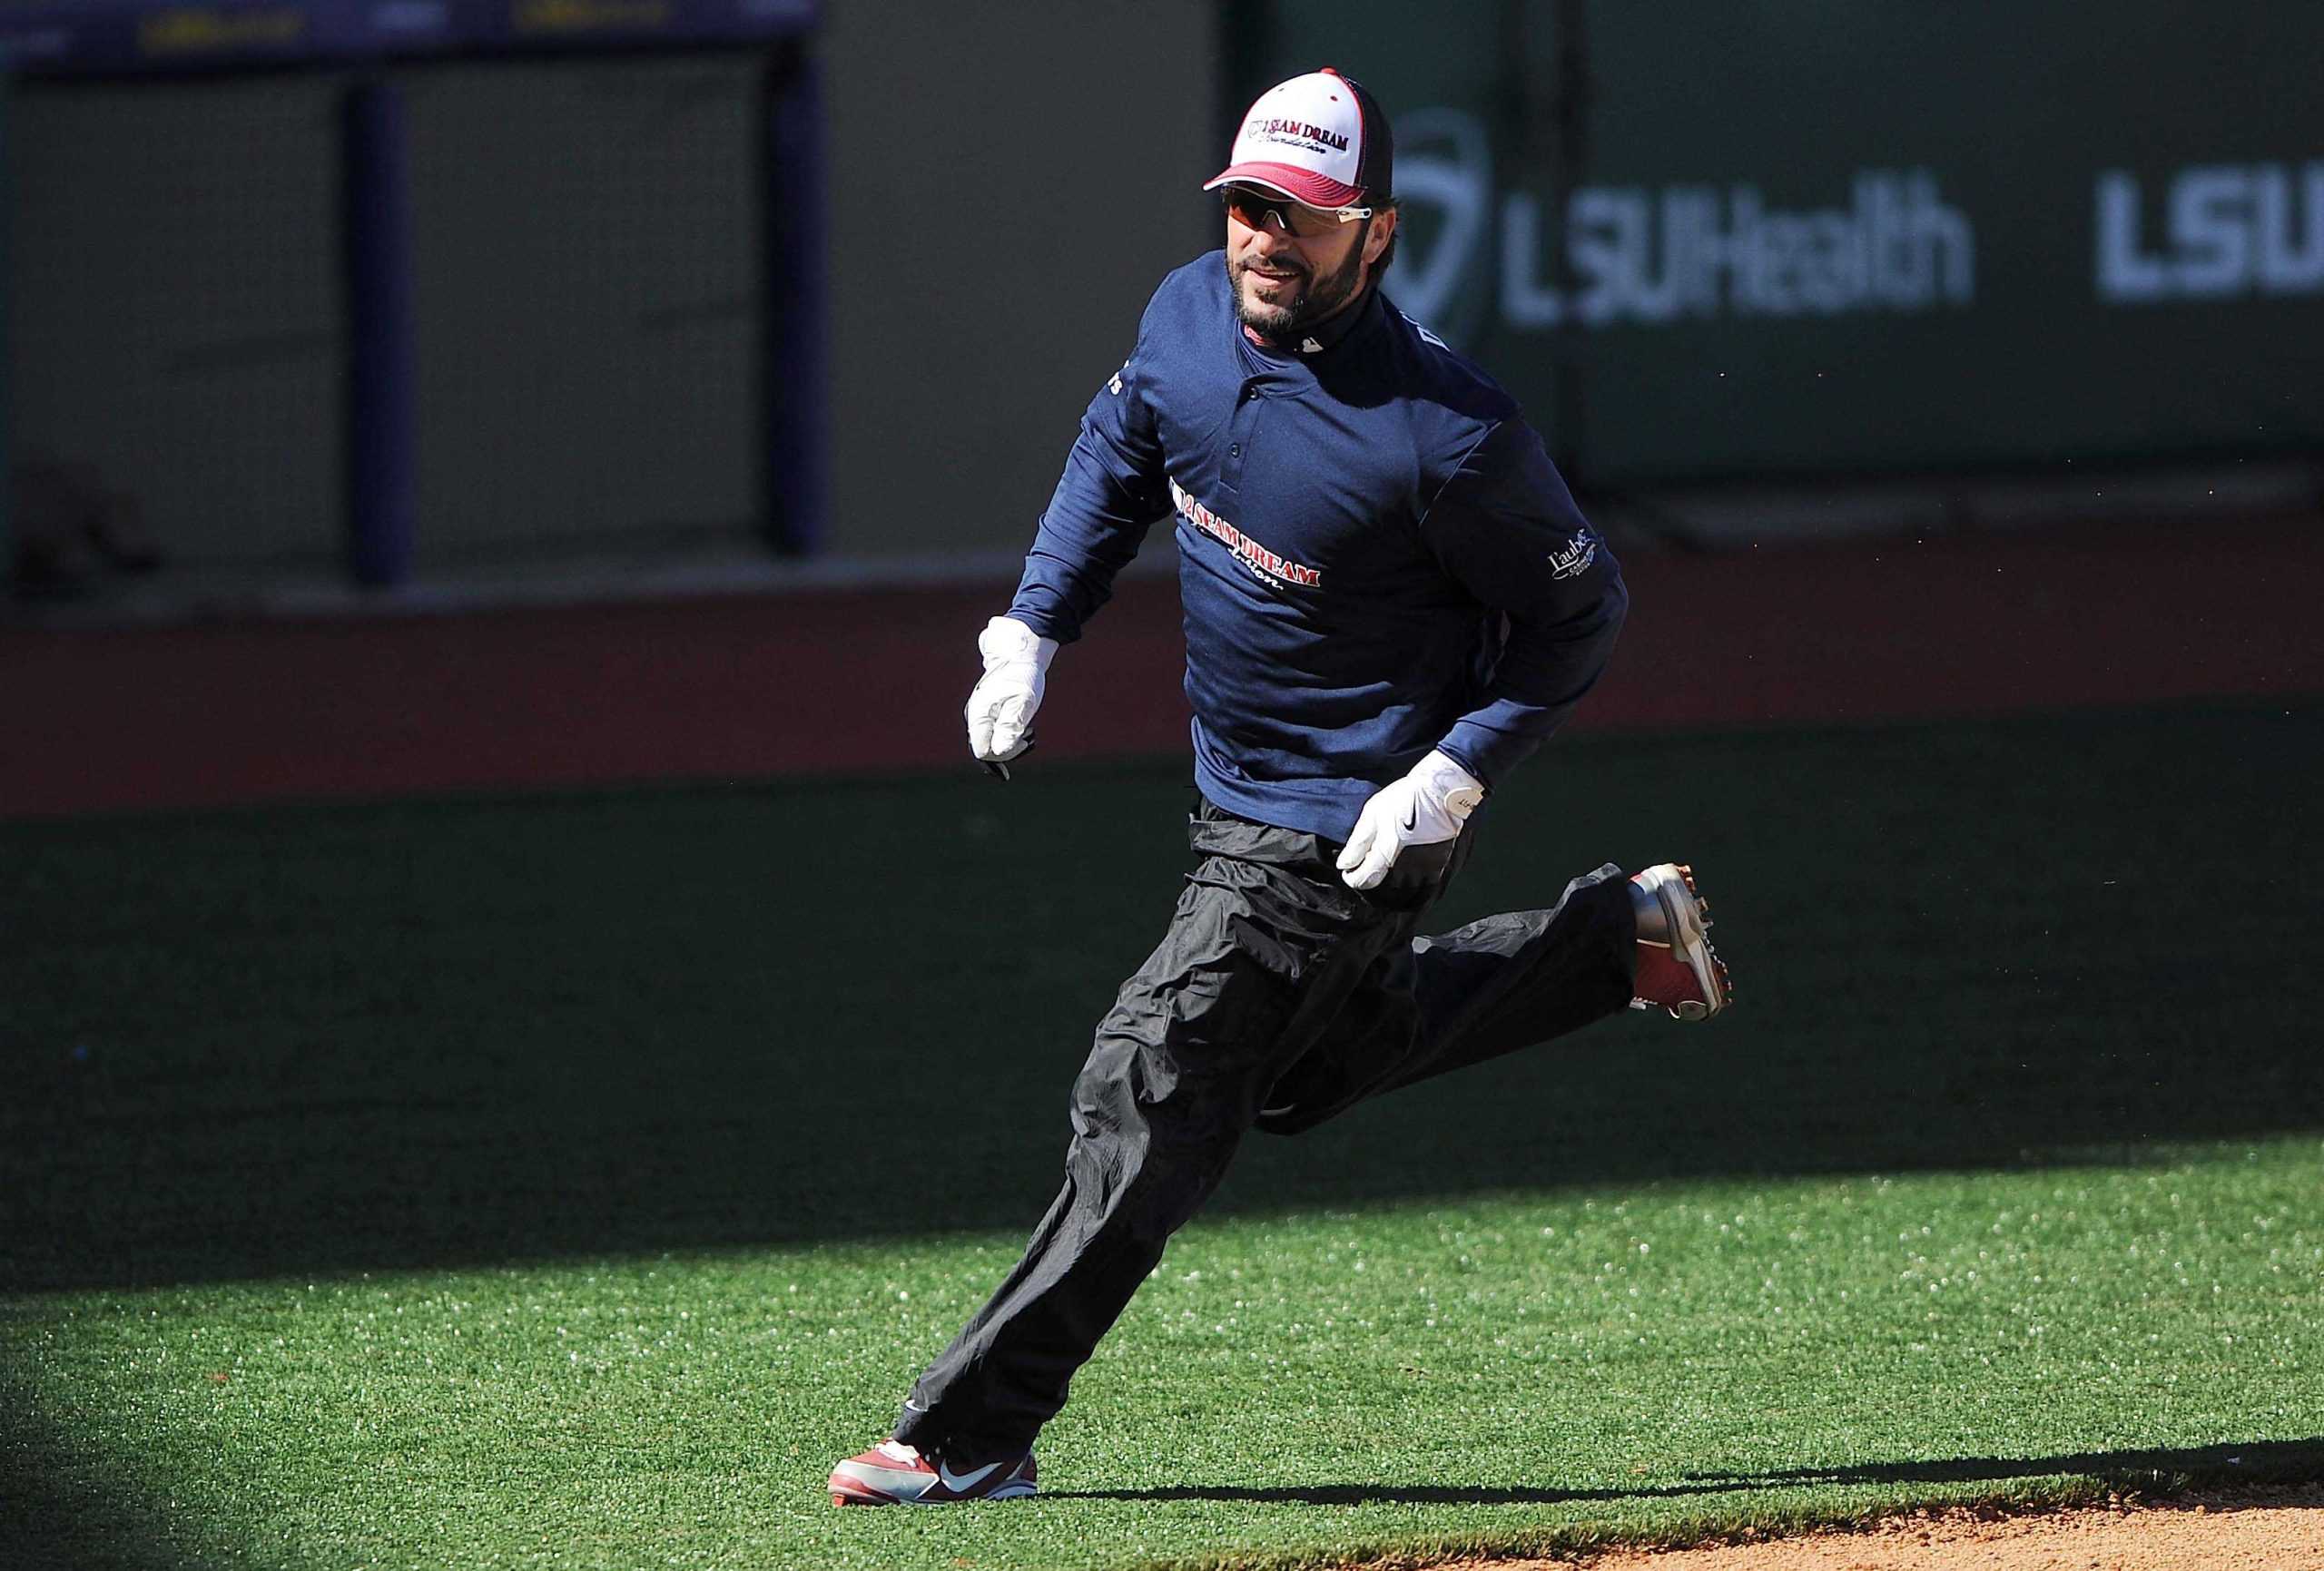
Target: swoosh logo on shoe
[961,1483]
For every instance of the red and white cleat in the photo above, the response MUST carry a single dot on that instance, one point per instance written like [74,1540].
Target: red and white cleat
[894,1474]
[1684,976]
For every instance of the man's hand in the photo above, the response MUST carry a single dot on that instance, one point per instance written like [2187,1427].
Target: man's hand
[1425,808]
[1001,710]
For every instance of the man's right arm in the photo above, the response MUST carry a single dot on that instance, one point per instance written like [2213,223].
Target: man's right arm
[1112,491]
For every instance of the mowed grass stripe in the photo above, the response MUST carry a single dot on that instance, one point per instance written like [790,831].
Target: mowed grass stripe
[1506,1371]
[541,1181]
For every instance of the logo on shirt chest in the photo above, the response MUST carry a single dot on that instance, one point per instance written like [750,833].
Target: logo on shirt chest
[1261,561]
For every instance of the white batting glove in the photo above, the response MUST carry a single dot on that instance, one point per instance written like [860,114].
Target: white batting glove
[1425,808]
[1001,710]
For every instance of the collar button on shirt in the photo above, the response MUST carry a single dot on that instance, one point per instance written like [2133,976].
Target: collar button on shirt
[1243,431]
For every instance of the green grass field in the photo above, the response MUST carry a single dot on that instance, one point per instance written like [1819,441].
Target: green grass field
[569,1181]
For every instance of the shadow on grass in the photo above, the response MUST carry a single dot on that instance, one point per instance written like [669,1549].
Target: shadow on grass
[2159,1472]
[1386,1495]
[65,1508]
[296,1042]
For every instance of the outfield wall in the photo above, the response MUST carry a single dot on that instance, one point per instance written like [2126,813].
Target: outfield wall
[176,311]
[1702,243]
[1718,240]
[589,285]
[998,217]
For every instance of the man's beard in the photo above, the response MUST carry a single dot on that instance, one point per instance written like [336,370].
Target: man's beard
[1313,299]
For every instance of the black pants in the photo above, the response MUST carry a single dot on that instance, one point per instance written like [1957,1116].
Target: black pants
[1278,998]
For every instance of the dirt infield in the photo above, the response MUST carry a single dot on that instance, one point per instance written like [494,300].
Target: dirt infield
[835,683]
[2270,1530]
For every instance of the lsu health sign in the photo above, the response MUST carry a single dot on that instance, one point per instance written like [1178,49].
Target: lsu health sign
[1735,242]
[2213,232]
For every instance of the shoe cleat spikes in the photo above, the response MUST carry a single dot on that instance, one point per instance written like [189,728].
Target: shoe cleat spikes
[1685,977]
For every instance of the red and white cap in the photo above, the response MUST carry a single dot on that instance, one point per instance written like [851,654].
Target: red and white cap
[1319,139]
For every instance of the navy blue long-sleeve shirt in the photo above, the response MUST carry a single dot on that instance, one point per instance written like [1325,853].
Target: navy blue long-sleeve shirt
[1376,557]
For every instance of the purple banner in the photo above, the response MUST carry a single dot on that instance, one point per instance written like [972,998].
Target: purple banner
[55,36]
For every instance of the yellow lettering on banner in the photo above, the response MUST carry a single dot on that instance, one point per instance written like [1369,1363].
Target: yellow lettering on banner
[207,31]
[589,15]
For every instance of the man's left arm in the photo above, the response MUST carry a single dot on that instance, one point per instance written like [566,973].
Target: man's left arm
[1506,526]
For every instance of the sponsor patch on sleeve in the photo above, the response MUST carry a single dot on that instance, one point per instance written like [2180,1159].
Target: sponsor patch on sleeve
[1574,558]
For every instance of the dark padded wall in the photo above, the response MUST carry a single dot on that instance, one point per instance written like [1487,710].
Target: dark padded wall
[1716,240]
[175,305]
[587,289]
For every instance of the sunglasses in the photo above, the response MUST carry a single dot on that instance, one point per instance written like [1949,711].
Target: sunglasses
[1296,218]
